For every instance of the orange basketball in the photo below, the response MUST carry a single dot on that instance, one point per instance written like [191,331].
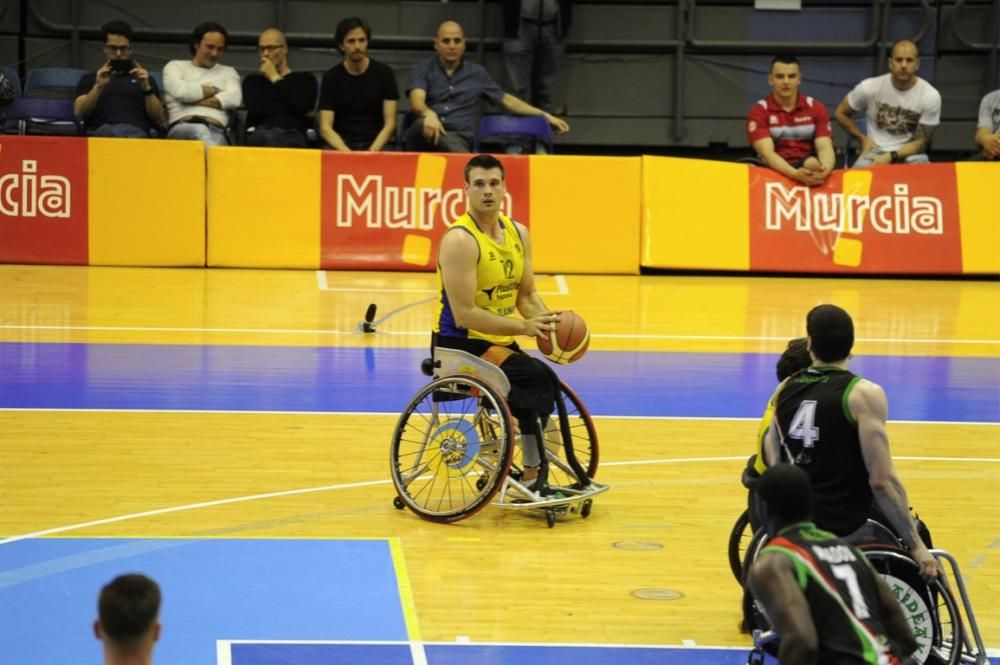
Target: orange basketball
[568,342]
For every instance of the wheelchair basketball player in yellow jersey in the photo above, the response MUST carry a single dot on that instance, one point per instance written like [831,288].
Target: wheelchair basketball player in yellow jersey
[486,276]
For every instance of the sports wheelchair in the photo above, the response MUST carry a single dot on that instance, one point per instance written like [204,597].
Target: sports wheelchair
[456,449]
[929,607]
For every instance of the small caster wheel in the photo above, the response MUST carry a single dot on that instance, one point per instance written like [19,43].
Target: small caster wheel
[585,508]
[550,518]
[481,482]
[398,503]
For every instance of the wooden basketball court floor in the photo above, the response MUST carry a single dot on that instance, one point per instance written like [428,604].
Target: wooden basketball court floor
[241,414]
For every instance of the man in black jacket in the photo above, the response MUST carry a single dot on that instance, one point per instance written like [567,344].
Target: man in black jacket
[279,102]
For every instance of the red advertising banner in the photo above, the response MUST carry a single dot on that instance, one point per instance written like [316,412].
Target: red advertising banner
[43,200]
[889,219]
[385,211]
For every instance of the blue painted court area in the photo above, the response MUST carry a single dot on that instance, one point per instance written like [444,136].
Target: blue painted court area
[338,379]
[494,654]
[212,590]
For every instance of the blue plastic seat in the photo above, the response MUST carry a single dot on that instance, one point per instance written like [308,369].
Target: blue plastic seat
[53,82]
[47,104]
[514,128]
[41,116]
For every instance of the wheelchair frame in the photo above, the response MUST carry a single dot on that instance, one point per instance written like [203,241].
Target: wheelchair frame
[970,648]
[464,456]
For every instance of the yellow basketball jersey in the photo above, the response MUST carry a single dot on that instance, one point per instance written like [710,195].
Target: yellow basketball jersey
[498,278]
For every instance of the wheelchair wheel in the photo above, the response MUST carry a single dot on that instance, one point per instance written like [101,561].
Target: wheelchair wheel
[452,448]
[583,442]
[583,439]
[739,540]
[930,608]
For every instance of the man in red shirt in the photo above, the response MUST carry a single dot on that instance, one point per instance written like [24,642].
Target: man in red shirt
[789,131]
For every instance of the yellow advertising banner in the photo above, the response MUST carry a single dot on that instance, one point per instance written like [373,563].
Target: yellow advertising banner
[978,183]
[585,214]
[147,202]
[694,214]
[263,207]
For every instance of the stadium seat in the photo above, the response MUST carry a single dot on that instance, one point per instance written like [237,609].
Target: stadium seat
[514,128]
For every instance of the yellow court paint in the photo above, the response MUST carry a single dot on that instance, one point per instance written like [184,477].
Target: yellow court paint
[406,599]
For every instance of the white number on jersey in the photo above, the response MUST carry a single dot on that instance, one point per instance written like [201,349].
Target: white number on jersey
[803,425]
[845,573]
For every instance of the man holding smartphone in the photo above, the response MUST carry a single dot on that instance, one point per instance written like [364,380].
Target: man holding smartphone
[120,99]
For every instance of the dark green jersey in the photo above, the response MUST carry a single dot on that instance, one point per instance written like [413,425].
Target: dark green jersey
[818,433]
[840,587]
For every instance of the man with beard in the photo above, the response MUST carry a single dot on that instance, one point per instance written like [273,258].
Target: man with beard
[358,98]
[902,111]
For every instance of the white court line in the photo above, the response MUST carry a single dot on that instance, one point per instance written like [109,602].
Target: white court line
[562,287]
[190,506]
[396,414]
[371,483]
[223,652]
[423,333]
[462,643]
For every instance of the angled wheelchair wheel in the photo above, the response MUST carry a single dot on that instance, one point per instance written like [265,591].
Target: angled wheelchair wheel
[929,607]
[582,448]
[452,448]
[739,540]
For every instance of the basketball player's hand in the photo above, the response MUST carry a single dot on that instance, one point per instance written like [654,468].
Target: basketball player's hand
[433,129]
[929,566]
[541,325]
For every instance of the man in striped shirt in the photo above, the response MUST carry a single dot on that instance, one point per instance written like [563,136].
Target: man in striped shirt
[791,132]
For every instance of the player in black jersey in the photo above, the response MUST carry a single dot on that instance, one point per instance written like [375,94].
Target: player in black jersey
[824,600]
[831,423]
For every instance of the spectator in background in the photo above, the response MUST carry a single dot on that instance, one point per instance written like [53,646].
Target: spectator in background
[200,91]
[789,131]
[120,99]
[359,96]
[444,94]
[279,101]
[128,621]
[8,93]
[902,111]
[988,127]
[534,31]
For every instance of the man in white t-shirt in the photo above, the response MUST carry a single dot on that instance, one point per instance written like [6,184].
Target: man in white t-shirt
[988,127]
[901,109]
[200,92]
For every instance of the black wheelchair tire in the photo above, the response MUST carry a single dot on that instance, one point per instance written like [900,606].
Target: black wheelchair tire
[736,536]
